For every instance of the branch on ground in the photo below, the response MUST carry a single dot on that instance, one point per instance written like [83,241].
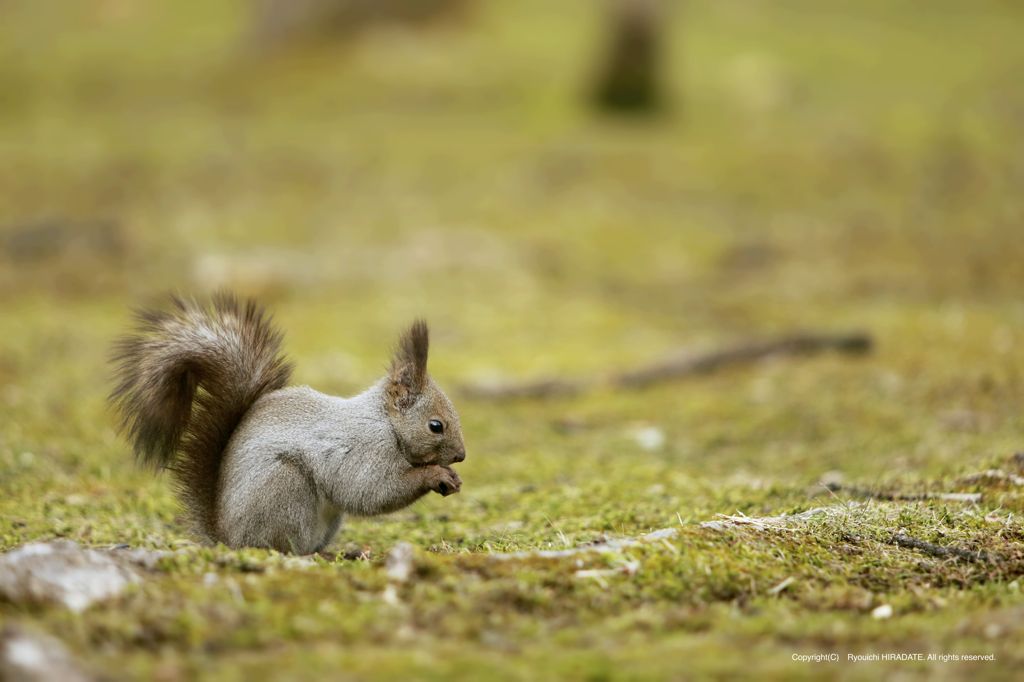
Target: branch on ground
[678,367]
[970,498]
[993,475]
[943,552]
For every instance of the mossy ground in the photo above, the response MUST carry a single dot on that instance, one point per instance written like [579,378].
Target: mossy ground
[826,166]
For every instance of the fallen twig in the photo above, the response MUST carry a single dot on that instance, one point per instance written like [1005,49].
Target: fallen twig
[745,353]
[970,498]
[677,367]
[937,550]
[781,586]
[993,475]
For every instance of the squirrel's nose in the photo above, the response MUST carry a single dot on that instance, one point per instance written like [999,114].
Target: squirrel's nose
[460,455]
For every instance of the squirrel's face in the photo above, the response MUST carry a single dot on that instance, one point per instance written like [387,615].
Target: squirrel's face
[424,420]
[428,430]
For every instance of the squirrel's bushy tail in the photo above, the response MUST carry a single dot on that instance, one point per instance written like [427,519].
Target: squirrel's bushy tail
[186,375]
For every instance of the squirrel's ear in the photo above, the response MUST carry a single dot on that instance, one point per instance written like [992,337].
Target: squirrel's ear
[409,365]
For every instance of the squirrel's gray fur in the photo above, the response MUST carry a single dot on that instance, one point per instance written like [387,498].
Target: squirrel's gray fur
[201,392]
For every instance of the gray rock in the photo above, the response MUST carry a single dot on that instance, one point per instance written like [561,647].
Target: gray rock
[148,559]
[63,574]
[399,562]
[28,657]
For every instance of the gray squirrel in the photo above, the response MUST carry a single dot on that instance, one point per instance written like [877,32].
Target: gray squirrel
[201,392]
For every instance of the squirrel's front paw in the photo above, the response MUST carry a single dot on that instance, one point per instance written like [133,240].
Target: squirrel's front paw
[443,480]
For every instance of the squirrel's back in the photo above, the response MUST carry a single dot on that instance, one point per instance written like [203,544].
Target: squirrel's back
[186,376]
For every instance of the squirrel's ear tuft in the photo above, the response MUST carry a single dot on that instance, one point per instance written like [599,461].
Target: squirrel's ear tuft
[409,365]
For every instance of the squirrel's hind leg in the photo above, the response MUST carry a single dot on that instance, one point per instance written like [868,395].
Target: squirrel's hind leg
[275,507]
[330,533]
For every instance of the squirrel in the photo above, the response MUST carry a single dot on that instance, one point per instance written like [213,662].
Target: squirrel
[201,391]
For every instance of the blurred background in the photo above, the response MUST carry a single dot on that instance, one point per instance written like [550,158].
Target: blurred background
[561,188]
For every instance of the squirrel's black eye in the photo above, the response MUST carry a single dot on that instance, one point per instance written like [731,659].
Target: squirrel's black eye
[435,426]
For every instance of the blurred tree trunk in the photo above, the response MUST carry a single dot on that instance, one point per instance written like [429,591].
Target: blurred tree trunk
[285,21]
[629,76]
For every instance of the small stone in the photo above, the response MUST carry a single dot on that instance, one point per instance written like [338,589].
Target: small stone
[61,573]
[833,480]
[301,563]
[30,657]
[390,596]
[399,562]
[993,631]
[650,438]
[882,612]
